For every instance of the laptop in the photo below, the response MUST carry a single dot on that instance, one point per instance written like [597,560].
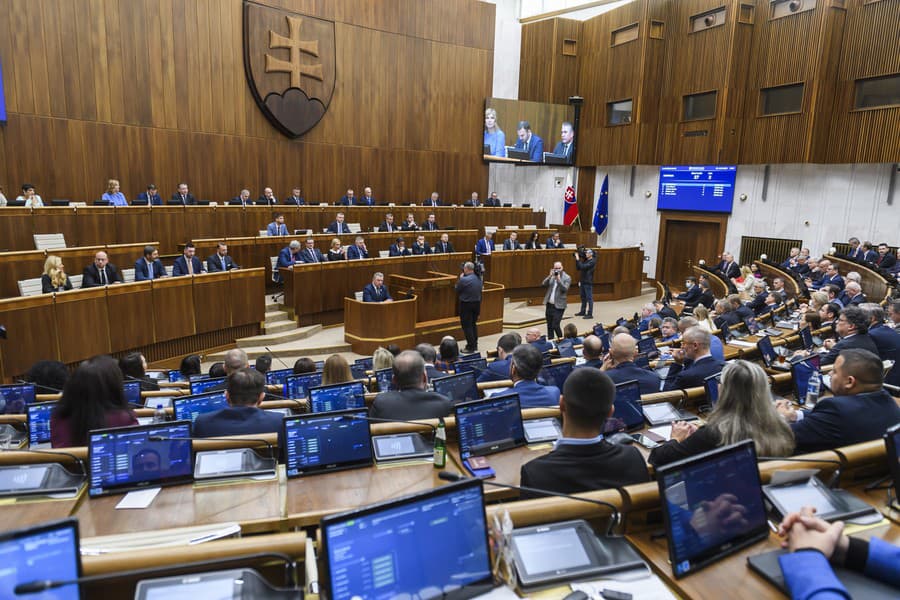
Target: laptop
[557,374]
[49,551]
[125,458]
[647,346]
[366,361]
[801,372]
[358,565]
[132,391]
[728,477]
[39,424]
[188,408]
[641,360]
[14,398]
[769,356]
[175,376]
[711,388]
[325,442]
[198,387]
[337,396]
[459,388]
[489,426]
[511,152]
[384,379]
[297,386]
[277,377]
[473,364]
[628,410]
[358,370]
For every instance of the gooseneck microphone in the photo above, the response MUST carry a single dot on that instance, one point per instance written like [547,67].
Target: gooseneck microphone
[380,420]
[615,517]
[833,482]
[167,438]
[38,385]
[275,356]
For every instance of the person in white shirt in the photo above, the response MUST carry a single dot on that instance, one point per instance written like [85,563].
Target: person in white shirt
[31,199]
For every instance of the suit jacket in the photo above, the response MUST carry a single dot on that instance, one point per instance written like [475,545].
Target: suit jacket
[535,148]
[410,405]
[292,201]
[870,256]
[236,201]
[843,420]
[586,268]
[758,304]
[492,203]
[336,227]
[443,247]
[534,395]
[306,255]
[428,202]
[497,370]
[214,263]
[682,377]
[861,341]
[238,420]
[594,363]
[426,249]
[176,198]
[690,296]
[263,201]
[395,250]
[356,201]
[511,245]
[354,253]
[628,371]
[91,275]
[730,270]
[830,280]
[47,285]
[482,245]
[559,300]
[887,261]
[181,266]
[407,226]
[154,201]
[285,259]
[429,226]
[572,468]
[552,245]
[276,229]
[141,273]
[432,372]
[370,294]
[542,344]
[561,150]
[887,341]
[388,227]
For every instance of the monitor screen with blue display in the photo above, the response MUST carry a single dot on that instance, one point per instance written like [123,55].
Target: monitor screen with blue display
[473,364]
[766,351]
[277,377]
[384,379]
[696,188]
[39,422]
[711,389]
[557,374]
[132,391]
[297,386]
[647,345]
[459,388]
[801,372]
[358,564]
[189,408]
[627,405]
[125,458]
[366,361]
[14,398]
[338,396]
[176,375]
[806,338]
[358,370]
[490,425]
[327,442]
[46,552]
[198,387]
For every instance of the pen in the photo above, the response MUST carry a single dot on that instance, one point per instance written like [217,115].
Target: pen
[772,526]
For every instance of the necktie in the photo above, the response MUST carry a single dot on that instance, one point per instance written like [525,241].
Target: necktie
[190,266]
[222,258]
[313,256]
[102,276]
[149,270]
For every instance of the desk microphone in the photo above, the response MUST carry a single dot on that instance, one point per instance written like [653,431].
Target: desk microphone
[380,420]
[298,403]
[38,385]
[77,460]
[614,518]
[167,438]
[835,479]
[275,356]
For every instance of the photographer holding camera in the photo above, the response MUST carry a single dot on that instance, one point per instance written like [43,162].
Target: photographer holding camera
[468,289]
[585,263]
[558,282]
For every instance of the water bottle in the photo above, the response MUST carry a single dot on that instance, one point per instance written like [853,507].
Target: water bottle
[159,416]
[812,389]
[440,446]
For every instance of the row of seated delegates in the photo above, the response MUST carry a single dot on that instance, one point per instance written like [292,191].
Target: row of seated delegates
[389,226]
[485,245]
[268,198]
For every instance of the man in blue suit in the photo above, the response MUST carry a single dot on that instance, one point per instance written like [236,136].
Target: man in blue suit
[287,258]
[311,254]
[338,226]
[358,250]
[648,313]
[529,142]
[887,340]
[245,390]
[567,143]
[399,248]
[498,370]
[525,365]
[693,361]
[533,336]
[377,291]
[485,245]
[220,261]
[187,263]
[151,196]
[295,199]
[149,267]
[832,276]
[277,226]
[367,199]
[620,367]
[591,351]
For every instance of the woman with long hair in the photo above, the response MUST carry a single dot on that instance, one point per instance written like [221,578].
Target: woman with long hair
[744,411]
[494,137]
[54,278]
[336,370]
[382,358]
[534,242]
[701,313]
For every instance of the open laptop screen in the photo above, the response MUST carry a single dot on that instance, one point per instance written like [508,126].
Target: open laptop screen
[358,564]
[189,408]
[297,386]
[647,345]
[627,405]
[14,398]
[806,338]
[327,442]
[132,390]
[766,350]
[475,364]
[711,387]
[366,361]
[39,422]
[459,388]
[713,506]
[198,387]
[338,396]
[557,374]
[48,551]
[125,458]
[490,425]
[383,378]
[277,377]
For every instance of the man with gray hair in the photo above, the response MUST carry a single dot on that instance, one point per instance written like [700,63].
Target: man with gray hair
[556,298]
[525,366]
[852,294]
[287,258]
[468,290]
[886,340]
[852,328]
[648,312]
[693,361]
[411,400]
[377,291]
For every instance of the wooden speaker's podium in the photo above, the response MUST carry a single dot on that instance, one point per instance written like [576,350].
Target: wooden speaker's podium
[424,310]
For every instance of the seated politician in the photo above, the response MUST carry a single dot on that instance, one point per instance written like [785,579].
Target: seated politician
[716,347]
[311,254]
[100,272]
[534,336]
[620,367]
[410,223]
[338,226]
[852,327]
[277,226]
[553,242]
[377,291]
[151,197]
[887,340]
[268,198]
[493,200]
[443,246]
[525,366]
[242,199]
[388,224]
[399,248]
[691,294]
[567,141]
[420,246]
[245,390]
[182,196]
[430,223]
[498,370]
[529,142]
[485,245]
[693,361]
[221,261]
[473,201]
[348,199]
[358,249]
[187,263]
[512,243]
[582,460]
[434,200]
[149,267]
[411,400]
[367,199]
[859,411]
[429,355]
[592,353]
[295,199]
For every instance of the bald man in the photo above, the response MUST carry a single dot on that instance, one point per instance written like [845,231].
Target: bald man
[100,272]
[591,352]
[620,367]
[533,336]
[693,361]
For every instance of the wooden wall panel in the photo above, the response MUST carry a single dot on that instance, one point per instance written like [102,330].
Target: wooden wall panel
[545,73]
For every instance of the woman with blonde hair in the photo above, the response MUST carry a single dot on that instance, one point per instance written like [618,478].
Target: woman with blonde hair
[382,359]
[336,252]
[744,283]
[494,137]
[113,194]
[701,313]
[54,278]
[744,411]
[336,370]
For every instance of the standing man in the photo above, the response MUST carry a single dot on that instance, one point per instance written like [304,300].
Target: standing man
[468,289]
[585,263]
[377,291]
[220,261]
[567,137]
[557,284]
[100,272]
[182,196]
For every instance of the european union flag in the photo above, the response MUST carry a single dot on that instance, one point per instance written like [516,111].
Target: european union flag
[2,98]
[601,214]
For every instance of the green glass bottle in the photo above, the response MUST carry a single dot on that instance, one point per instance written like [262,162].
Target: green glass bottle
[440,446]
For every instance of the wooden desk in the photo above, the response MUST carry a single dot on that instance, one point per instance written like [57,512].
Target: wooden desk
[368,325]
[28,512]
[873,284]
[506,464]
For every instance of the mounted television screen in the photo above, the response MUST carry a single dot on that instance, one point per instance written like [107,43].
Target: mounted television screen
[522,132]
[699,188]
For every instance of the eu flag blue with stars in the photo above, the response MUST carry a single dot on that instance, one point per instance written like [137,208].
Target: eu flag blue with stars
[601,214]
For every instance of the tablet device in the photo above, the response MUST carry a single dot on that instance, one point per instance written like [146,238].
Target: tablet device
[642,361]
[233,462]
[627,406]
[699,494]
[366,361]
[39,423]
[359,371]
[557,374]
[791,497]
[663,413]
[297,386]
[198,387]
[188,408]
[14,398]
[337,396]
[47,551]
[892,442]
[384,379]
[764,345]
[231,584]
[325,442]
[647,345]
[276,377]
[542,430]
[489,426]
[358,564]
[132,391]
[401,446]
[806,338]
[461,387]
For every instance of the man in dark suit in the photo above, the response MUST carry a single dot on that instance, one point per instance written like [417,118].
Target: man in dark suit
[529,142]
[287,258]
[485,245]
[377,291]
[554,242]
[388,224]
[367,199]
[245,390]
[311,254]
[338,226]
[525,366]
[444,246]
[100,272]
[728,267]
[398,248]
[620,367]
[149,267]
[663,310]
[791,260]
[429,355]
[852,294]
[591,352]
[410,223]
[430,223]
[473,201]
[692,292]
[533,336]
[869,255]
[348,199]
[693,361]
[856,253]
[802,269]
[151,196]
[512,242]
[886,258]
[268,198]
[187,263]
[434,200]
[358,249]
[567,141]
[886,340]
[586,264]
[859,411]
[420,246]
[242,199]
[498,370]
[182,196]
[469,287]
[493,200]
[411,401]
[220,261]
[832,276]
[295,199]
[582,460]
[852,328]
